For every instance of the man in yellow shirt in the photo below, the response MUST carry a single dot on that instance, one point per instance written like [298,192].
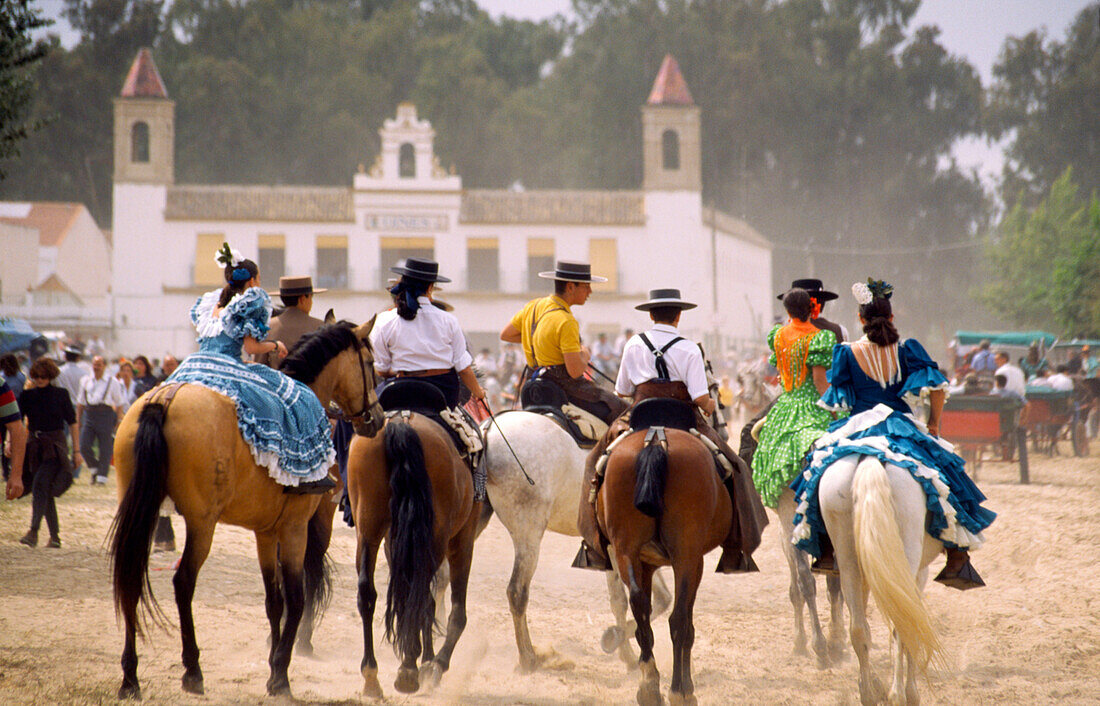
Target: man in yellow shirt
[551,339]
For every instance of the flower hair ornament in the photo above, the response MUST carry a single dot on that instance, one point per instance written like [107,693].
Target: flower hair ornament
[873,289]
[227,256]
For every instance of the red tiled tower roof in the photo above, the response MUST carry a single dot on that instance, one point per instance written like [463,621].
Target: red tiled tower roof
[669,88]
[143,80]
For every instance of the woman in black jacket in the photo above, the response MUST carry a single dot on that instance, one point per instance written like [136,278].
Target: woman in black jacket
[47,410]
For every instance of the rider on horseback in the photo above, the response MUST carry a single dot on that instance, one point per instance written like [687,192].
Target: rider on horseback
[552,343]
[661,363]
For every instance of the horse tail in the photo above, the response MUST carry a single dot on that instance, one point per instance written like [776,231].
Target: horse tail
[881,556]
[131,533]
[412,519]
[317,567]
[650,473]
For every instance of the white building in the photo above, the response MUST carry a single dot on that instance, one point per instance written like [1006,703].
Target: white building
[492,243]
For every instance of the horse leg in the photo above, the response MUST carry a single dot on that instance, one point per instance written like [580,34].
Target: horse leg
[267,551]
[836,619]
[365,558]
[526,542]
[292,548]
[131,687]
[682,629]
[616,635]
[427,652]
[195,550]
[803,584]
[639,581]
[460,555]
[320,529]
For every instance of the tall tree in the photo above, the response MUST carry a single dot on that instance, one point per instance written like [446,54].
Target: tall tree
[18,53]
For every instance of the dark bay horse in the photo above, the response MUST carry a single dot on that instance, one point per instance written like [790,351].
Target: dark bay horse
[190,448]
[663,504]
[409,486]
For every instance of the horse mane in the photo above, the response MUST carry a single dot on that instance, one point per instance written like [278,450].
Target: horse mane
[314,350]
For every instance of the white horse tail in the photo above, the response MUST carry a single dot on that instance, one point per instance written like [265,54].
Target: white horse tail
[884,566]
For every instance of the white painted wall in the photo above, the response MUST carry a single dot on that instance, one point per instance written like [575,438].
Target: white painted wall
[19,263]
[83,258]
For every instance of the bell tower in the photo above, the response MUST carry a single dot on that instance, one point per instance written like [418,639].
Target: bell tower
[670,134]
[144,126]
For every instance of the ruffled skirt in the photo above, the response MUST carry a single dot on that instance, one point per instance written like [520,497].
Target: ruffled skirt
[281,419]
[954,503]
[793,424]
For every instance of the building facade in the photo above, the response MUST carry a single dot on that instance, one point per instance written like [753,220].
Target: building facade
[492,243]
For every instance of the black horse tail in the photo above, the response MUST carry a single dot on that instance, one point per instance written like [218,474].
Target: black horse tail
[131,533]
[409,608]
[317,568]
[650,472]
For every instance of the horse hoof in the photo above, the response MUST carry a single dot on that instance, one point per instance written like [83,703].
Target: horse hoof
[675,699]
[612,638]
[192,684]
[649,694]
[408,680]
[371,688]
[431,674]
[129,691]
[304,649]
[278,686]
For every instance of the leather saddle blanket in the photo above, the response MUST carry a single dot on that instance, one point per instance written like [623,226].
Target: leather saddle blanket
[542,396]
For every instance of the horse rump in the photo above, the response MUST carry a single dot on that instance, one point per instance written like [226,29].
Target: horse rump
[131,533]
[650,473]
[409,605]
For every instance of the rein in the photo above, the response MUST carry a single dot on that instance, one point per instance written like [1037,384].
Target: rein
[367,406]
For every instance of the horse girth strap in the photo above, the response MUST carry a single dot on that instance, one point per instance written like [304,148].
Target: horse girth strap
[662,366]
[656,435]
[163,394]
[534,326]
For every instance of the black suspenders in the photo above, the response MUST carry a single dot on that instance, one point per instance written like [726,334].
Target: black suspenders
[534,325]
[662,366]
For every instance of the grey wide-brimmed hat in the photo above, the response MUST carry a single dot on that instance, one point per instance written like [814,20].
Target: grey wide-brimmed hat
[297,287]
[419,268]
[664,297]
[572,272]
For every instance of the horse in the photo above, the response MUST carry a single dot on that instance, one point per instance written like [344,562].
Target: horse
[875,516]
[409,486]
[548,455]
[189,448]
[662,503]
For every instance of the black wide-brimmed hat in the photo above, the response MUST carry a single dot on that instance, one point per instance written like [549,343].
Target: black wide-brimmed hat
[572,272]
[297,287]
[814,288]
[664,297]
[419,268]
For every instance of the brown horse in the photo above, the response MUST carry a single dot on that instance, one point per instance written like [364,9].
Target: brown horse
[663,504]
[409,486]
[190,449]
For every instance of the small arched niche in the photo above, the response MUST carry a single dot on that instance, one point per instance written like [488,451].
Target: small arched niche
[139,142]
[406,161]
[670,150]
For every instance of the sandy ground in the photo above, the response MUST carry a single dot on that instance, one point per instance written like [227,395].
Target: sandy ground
[1031,636]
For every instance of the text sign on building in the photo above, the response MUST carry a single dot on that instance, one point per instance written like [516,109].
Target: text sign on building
[405,222]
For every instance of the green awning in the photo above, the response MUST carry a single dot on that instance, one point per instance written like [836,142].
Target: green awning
[1005,338]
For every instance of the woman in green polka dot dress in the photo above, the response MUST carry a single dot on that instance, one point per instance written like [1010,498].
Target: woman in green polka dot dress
[802,353]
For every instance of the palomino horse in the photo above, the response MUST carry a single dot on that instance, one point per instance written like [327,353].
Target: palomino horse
[553,461]
[409,486]
[663,503]
[875,516]
[191,450]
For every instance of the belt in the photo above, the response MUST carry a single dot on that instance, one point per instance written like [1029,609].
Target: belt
[422,373]
[100,407]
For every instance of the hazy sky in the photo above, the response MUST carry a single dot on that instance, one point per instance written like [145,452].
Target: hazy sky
[975,29]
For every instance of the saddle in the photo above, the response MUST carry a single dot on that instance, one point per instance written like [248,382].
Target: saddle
[410,394]
[662,412]
[543,396]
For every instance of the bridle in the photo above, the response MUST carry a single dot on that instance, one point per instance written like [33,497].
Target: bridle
[358,419]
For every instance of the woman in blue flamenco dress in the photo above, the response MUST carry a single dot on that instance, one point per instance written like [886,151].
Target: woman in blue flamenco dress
[874,378]
[280,418]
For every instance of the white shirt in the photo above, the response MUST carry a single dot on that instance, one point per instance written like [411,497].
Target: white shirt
[1014,378]
[106,390]
[432,340]
[684,361]
[1061,382]
[71,374]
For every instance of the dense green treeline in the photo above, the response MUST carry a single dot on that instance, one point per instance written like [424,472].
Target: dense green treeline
[827,125]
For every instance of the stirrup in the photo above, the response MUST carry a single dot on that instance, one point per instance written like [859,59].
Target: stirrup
[589,558]
[825,565]
[963,579]
[743,565]
[315,487]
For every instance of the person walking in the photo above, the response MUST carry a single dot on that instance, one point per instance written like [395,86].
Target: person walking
[16,442]
[100,404]
[48,412]
[73,370]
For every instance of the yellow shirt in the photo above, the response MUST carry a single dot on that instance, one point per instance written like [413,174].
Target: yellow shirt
[557,331]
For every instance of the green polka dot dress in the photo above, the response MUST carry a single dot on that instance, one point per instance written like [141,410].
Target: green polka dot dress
[795,422]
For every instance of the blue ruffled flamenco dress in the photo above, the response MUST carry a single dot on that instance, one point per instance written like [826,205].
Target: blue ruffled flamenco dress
[280,418]
[882,425]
